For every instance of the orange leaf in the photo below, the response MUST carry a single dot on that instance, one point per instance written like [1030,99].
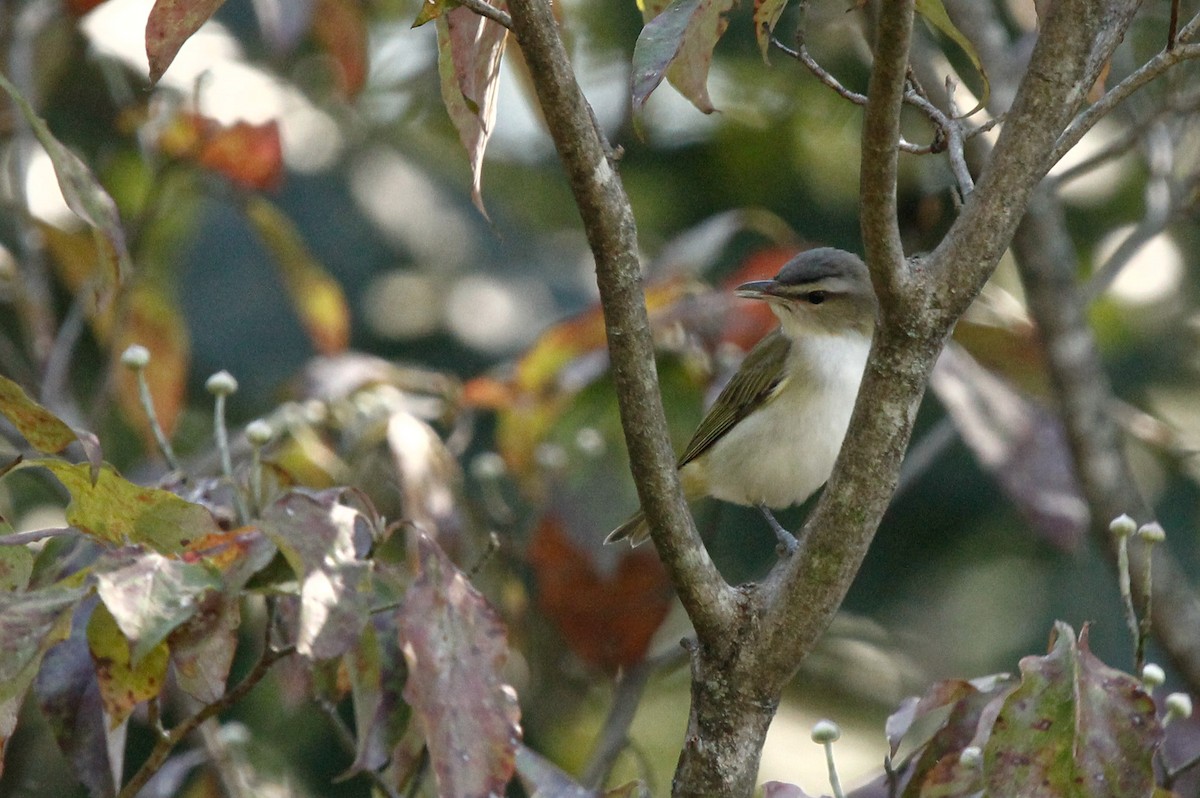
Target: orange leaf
[249,155]
[339,27]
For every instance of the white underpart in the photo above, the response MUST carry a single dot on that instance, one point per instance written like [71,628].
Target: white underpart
[782,453]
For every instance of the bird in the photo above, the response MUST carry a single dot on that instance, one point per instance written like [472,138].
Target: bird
[773,433]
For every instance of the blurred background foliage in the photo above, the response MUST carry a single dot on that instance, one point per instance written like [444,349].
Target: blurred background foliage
[293,188]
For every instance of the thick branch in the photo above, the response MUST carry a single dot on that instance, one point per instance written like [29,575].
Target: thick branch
[612,235]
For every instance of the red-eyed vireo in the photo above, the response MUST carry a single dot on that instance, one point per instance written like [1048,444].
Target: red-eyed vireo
[772,436]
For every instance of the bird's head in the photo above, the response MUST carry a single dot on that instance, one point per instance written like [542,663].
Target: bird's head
[820,291]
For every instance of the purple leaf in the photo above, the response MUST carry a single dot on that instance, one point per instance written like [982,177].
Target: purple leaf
[678,44]
[455,646]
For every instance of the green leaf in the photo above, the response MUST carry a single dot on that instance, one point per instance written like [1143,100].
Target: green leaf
[124,683]
[83,193]
[678,44]
[170,24]
[45,431]
[935,14]
[30,623]
[117,511]
[150,595]
[469,51]
[16,566]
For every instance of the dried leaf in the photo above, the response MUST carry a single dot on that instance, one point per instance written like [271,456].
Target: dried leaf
[678,44]
[317,297]
[170,24]
[117,511]
[123,683]
[322,539]
[83,193]
[202,648]
[150,595]
[456,646]
[1074,727]
[250,155]
[469,51]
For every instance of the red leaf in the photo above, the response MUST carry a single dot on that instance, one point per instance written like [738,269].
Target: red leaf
[170,24]
[249,155]
[456,646]
[606,620]
[340,28]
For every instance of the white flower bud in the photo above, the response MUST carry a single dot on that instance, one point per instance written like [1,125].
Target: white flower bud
[971,756]
[1122,526]
[1153,676]
[221,384]
[825,731]
[1179,705]
[487,466]
[258,432]
[135,356]
[1152,532]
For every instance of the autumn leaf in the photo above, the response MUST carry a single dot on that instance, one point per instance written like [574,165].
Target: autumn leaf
[45,431]
[202,647]
[1074,727]
[934,12]
[150,595]
[170,24]
[456,646]
[678,44]
[316,296]
[341,30]
[117,511]
[469,51]
[766,16]
[323,540]
[124,682]
[83,193]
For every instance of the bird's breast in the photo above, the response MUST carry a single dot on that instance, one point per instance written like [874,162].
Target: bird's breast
[780,454]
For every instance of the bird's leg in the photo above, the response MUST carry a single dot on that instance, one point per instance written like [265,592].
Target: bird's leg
[787,541]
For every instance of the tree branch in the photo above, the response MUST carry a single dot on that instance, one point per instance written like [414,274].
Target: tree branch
[612,234]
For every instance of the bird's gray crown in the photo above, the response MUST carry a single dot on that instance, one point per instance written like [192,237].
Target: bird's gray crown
[822,263]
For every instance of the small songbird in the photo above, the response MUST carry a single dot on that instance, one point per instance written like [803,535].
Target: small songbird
[771,437]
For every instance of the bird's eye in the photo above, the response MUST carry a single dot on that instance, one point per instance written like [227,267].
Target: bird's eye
[815,297]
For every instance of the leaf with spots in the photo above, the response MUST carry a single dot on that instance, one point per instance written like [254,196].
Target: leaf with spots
[83,193]
[114,510]
[456,646]
[45,431]
[16,566]
[1074,727]
[678,44]
[766,16]
[202,648]
[150,595]
[123,683]
[323,541]
[469,51]
[170,24]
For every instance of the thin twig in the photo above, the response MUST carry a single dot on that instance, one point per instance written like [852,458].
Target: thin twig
[34,535]
[163,747]
[485,9]
[1150,70]
[614,736]
[1173,27]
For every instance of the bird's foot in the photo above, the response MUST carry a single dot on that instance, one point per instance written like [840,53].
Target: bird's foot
[787,541]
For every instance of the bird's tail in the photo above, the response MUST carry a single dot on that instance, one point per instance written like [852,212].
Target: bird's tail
[635,530]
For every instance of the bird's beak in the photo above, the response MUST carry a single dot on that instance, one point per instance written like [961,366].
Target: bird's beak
[757,289]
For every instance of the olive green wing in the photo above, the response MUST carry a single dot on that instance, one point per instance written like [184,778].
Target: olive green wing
[758,379]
